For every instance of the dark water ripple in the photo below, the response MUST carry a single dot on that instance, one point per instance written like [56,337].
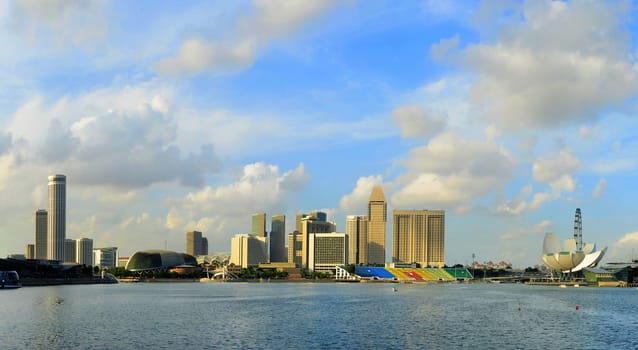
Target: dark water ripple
[317,316]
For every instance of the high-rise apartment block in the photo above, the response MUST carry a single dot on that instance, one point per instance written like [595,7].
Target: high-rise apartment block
[84,251]
[357,233]
[56,217]
[41,234]
[196,244]
[377,219]
[278,239]
[69,250]
[327,250]
[418,236]
[247,250]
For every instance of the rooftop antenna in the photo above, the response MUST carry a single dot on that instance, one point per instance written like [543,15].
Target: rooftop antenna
[578,230]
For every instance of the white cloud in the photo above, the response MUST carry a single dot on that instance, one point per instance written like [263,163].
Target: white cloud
[356,201]
[269,20]
[557,170]
[122,138]
[60,21]
[562,63]
[220,212]
[519,205]
[452,171]
[601,186]
[445,48]
[629,239]
[417,121]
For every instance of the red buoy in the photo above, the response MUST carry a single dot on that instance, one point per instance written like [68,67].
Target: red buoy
[577,307]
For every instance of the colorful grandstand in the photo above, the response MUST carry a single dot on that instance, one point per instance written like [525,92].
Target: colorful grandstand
[459,273]
[413,274]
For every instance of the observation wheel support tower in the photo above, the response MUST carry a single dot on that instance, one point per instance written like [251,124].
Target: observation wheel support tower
[578,230]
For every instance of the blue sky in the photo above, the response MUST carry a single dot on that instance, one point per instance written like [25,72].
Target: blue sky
[171,116]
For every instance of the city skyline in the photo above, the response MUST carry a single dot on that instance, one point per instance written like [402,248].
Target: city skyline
[507,116]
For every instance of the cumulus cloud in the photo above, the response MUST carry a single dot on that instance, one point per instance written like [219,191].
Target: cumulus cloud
[269,20]
[119,138]
[5,142]
[556,63]
[76,21]
[601,186]
[629,239]
[452,171]
[520,204]
[225,210]
[557,170]
[417,121]
[356,202]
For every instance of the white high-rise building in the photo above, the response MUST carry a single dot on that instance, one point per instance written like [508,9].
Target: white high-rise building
[327,250]
[247,250]
[105,258]
[56,217]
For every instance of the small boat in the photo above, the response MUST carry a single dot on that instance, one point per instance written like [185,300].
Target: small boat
[9,280]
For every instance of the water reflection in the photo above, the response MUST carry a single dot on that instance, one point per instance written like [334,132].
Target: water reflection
[289,315]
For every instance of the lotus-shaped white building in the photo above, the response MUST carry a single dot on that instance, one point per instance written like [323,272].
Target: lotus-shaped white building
[569,258]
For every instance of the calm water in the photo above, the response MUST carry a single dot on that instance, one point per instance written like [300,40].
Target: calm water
[319,316]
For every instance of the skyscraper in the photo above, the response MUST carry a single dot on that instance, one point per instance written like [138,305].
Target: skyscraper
[259,224]
[247,250]
[357,233]
[193,242]
[418,236]
[69,250]
[278,239]
[377,219]
[56,217]
[41,234]
[316,223]
[327,250]
[204,247]
[84,251]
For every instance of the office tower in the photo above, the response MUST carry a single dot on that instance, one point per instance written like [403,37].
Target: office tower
[309,224]
[327,250]
[204,247]
[69,250]
[193,242]
[196,244]
[377,219]
[84,251]
[41,234]
[56,217]
[278,239]
[247,250]
[30,251]
[357,231]
[418,236]
[105,258]
[259,224]
[298,218]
